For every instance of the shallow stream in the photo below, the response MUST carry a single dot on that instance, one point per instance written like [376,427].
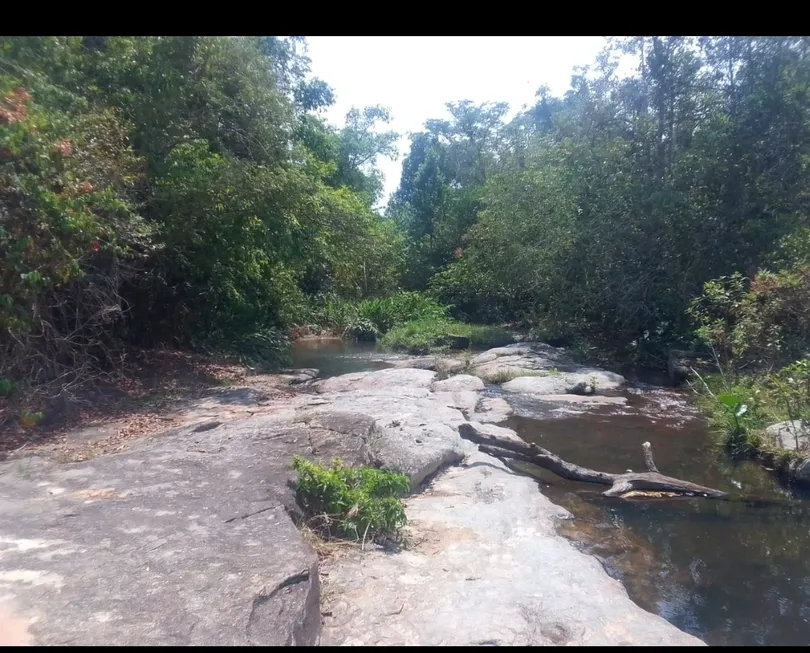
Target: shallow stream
[730,572]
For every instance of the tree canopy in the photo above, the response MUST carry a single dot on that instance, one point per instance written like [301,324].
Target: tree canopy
[186,190]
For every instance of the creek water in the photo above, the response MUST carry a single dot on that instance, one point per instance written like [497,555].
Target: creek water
[733,572]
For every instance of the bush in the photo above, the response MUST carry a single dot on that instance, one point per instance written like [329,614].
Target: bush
[370,319]
[430,335]
[741,407]
[355,503]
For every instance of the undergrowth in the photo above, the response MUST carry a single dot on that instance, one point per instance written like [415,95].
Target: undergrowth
[370,319]
[741,408]
[356,503]
[434,335]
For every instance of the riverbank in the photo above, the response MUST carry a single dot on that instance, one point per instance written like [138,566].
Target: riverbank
[192,514]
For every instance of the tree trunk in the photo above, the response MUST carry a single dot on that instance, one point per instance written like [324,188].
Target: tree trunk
[621,485]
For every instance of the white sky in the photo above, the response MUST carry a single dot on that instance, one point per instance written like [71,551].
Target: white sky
[415,76]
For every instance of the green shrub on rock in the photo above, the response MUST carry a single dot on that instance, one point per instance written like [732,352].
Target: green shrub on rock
[358,503]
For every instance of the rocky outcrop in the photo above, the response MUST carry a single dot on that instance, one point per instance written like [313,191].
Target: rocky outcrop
[189,538]
[793,435]
[169,543]
[435,363]
[592,382]
[486,568]
[547,373]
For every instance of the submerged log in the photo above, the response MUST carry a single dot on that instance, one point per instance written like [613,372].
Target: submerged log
[621,485]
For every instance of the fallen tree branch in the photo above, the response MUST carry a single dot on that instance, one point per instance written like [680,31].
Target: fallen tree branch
[620,484]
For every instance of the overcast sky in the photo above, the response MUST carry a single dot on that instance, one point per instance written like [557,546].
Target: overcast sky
[415,76]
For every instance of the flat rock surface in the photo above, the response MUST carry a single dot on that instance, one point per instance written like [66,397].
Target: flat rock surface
[594,382]
[188,538]
[485,568]
[165,544]
[551,368]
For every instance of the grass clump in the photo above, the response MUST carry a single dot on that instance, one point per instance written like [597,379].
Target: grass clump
[741,408]
[505,375]
[357,503]
[434,335]
[370,319]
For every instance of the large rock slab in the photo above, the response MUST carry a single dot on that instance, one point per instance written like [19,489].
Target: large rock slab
[517,359]
[458,383]
[436,363]
[379,380]
[184,540]
[592,382]
[486,568]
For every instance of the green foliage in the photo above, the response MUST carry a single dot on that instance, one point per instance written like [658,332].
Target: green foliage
[601,214]
[372,318]
[741,407]
[763,323]
[176,190]
[433,335]
[358,503]
[6,387]
[397,309]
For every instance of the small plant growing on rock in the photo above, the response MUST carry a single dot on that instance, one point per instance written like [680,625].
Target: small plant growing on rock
[357,503]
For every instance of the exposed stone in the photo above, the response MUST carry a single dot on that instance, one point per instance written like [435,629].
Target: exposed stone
[459,382]
[419,363]
[494,431]
[540,369]
[785,434]
[378,380]
[450,365]
[187,539]
[447,365]
[492,409]
[165,544]
[586,400]
[590,382]
[486,568]
[800,471]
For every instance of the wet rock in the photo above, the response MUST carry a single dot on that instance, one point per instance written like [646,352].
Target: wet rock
[800,471]
[491,409]
[588,382]
[680,364]
[296,376]
[486,567]
[786,434]
[377,381]
[458,383]
[584,400]
[446,365]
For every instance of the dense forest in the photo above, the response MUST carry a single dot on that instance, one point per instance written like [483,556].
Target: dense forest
[186,191]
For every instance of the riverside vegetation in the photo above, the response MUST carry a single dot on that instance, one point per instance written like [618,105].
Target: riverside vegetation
[186,192]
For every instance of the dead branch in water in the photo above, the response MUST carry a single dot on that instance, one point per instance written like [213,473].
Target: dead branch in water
[620,484]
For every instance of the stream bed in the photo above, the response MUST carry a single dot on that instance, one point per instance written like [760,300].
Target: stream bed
[731,572]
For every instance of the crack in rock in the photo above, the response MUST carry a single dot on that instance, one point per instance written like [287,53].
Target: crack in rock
[262,599]
[248,514]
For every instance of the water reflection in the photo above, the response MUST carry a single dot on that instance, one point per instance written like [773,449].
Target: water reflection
[729,572]
[333,356]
